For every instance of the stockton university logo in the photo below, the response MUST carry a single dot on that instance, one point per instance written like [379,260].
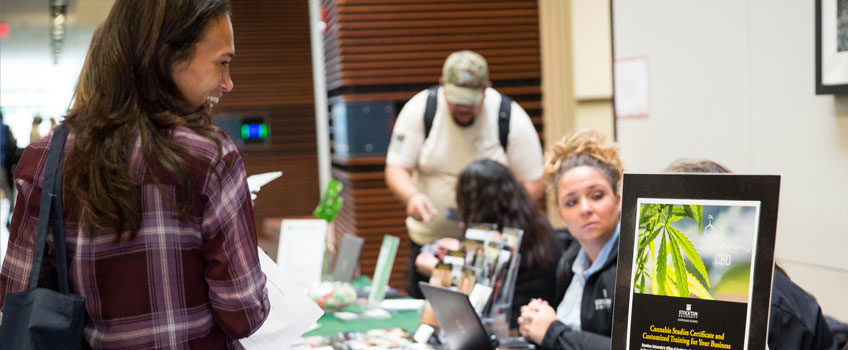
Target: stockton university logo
[687,315]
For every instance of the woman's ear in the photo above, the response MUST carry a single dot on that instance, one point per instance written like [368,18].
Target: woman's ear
[618,198]
[461,225]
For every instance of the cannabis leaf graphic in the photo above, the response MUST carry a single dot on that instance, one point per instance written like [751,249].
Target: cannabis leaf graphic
[669,276]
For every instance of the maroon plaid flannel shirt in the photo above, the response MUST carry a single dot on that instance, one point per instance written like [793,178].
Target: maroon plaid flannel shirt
[194,283]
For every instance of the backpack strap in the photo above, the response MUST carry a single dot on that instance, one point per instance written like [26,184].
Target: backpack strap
[430,111]
[503,119]
[503,115]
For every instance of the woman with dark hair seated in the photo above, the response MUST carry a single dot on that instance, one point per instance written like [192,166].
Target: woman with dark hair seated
[487,192]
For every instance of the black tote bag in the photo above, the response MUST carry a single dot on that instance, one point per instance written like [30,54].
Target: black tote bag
[42,318]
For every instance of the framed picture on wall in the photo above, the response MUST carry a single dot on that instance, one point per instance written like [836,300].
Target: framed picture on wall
[831,47]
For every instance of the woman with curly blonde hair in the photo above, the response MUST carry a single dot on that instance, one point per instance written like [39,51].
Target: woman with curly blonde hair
[584,171]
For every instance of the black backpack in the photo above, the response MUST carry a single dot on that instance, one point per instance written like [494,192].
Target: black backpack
[503,114]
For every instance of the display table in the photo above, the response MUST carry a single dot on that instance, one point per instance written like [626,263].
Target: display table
[329,324]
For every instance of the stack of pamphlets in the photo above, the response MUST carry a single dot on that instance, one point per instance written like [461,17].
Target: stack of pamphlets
[484,266]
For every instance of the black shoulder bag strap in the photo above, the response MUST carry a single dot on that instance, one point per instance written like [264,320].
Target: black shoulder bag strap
[42,318]
[503,115]
[51,212]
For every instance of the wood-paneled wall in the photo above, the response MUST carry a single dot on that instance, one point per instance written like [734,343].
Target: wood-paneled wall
[370,211]
[273,63]
[272,77]
[389,50]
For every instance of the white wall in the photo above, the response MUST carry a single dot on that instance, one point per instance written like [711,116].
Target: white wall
[30,83]
[590,27]
[734,81]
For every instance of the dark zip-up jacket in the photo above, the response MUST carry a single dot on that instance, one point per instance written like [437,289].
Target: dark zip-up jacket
[796,320]
[596,306]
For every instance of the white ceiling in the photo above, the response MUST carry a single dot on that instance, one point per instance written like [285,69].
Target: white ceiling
[30,81]
[37,12]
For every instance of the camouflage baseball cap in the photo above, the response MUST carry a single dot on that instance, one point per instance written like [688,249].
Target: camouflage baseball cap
[465,76]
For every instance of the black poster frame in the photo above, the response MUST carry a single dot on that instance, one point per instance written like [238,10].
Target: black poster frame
[733,187]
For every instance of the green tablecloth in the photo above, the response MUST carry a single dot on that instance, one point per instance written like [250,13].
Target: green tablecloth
[329,324]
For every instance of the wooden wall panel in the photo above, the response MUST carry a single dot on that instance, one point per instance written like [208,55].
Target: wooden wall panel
[370,211]
[294,194]
[407,32]
[272,78]
[291,129]
[273,63]
[389,50]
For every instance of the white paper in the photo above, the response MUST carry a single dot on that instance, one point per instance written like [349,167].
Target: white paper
[476,234]
[376,314]
[631,87]
[423,334]
[281,329]
[402,304]
[479,297]
[300,253]
[255,182]
[345,316]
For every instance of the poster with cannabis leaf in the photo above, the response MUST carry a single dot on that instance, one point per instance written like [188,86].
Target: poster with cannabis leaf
[695,249]
[696,255]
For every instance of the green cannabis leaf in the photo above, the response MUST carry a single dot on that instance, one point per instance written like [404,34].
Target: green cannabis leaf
[655,228]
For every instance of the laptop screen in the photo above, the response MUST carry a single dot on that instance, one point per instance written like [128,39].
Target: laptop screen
[463,329]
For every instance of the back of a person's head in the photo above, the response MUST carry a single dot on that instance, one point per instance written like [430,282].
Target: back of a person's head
[584,148]
[704,166]
[484,188]
[688,165]
[487,192]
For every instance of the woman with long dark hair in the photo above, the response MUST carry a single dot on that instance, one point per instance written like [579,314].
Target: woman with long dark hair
[487,192]
[158,218]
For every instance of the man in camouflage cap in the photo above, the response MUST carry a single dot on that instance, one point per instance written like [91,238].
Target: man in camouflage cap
[465,76]
[442,129]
